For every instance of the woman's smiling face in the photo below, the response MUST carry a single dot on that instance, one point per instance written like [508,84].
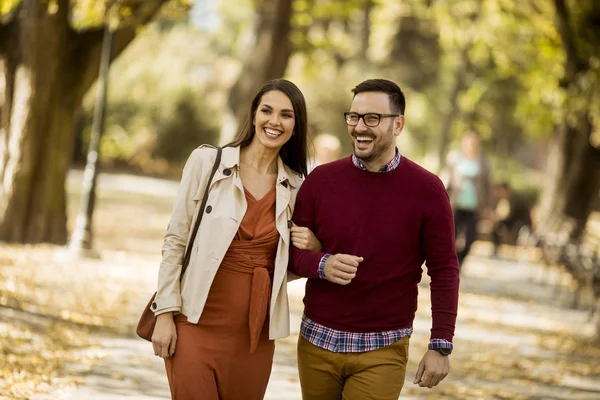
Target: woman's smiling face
[274,120]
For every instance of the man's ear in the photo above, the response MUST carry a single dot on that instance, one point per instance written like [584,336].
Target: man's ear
[399,122]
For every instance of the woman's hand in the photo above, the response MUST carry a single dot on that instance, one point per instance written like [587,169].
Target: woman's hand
[164,337]
[304,239]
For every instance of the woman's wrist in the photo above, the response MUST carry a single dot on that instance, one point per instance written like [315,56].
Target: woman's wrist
[168,314]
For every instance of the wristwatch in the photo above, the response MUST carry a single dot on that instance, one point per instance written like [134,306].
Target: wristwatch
[443,351]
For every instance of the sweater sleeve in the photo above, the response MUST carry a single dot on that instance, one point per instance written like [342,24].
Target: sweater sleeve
[442,263]
[305,263]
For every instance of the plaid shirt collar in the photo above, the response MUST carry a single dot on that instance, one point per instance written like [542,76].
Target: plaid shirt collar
[392,165]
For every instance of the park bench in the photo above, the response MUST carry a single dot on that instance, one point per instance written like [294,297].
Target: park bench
[579,261]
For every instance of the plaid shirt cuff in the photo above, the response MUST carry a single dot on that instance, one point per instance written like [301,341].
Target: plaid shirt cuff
[322,266]
[440,344]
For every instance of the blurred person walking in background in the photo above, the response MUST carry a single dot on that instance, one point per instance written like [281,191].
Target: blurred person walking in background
[379,216]
[327,149]
[216,327]
[511,215]
[467,179]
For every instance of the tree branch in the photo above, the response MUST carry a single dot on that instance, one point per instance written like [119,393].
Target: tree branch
[85,53]
[4,29]
[573,64]
[365,30]
[7,23]
[269,56]
[63,12]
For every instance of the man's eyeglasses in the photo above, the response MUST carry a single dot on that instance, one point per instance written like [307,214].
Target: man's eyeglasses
[370,119]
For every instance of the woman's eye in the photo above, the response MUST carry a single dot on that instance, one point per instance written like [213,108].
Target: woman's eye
[288,116]
[266,111]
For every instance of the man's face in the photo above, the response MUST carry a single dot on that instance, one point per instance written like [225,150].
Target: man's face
[374,143]
[502,192]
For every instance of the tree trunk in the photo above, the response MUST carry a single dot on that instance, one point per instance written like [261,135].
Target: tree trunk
[78,154]
[597,305]
[45,69]
[267,60]
[365,31]
[573,175]
[573,180]
[453,107]
[36,123]
[416,51]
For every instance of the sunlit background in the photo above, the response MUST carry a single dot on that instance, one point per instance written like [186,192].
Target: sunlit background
[79,252]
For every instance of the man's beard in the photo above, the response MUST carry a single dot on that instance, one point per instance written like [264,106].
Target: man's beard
[380,146]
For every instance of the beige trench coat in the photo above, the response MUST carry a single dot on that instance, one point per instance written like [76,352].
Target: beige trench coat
[223,215]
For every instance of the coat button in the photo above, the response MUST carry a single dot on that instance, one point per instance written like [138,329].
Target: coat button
[227,172]
[290,224]
[284,184]
[208,209]
[154,306]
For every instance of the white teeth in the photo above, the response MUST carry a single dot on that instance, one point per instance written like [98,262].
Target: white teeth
[273,132]
[364,138]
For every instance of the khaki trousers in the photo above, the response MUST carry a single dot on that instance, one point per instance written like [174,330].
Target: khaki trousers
[372,375]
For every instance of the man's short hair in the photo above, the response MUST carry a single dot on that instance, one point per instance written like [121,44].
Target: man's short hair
[397,100]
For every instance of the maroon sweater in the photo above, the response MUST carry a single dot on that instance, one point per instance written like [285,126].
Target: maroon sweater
[396,220]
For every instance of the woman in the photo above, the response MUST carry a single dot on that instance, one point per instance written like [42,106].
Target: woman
[467,179]
[216,328]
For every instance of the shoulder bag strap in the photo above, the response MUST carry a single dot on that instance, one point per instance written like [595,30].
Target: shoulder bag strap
[188,250]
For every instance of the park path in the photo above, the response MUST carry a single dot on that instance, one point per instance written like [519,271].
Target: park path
[513,340]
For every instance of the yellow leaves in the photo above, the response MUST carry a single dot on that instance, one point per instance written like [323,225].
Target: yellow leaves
[31,357]
[88,13]
[44,284]
[52,7]
[125,12]
[303,19]
[51,303]
[7,5]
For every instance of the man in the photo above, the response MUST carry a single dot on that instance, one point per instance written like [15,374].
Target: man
[327,149]
[511,215]
[379,216]
[467,179]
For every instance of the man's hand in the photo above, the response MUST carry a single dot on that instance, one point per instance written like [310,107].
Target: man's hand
[433,368]
[304,238]
[341,268]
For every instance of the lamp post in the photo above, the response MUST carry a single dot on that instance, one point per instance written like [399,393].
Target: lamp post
[82,238]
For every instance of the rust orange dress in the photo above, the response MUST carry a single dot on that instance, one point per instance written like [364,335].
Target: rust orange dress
[227,355]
